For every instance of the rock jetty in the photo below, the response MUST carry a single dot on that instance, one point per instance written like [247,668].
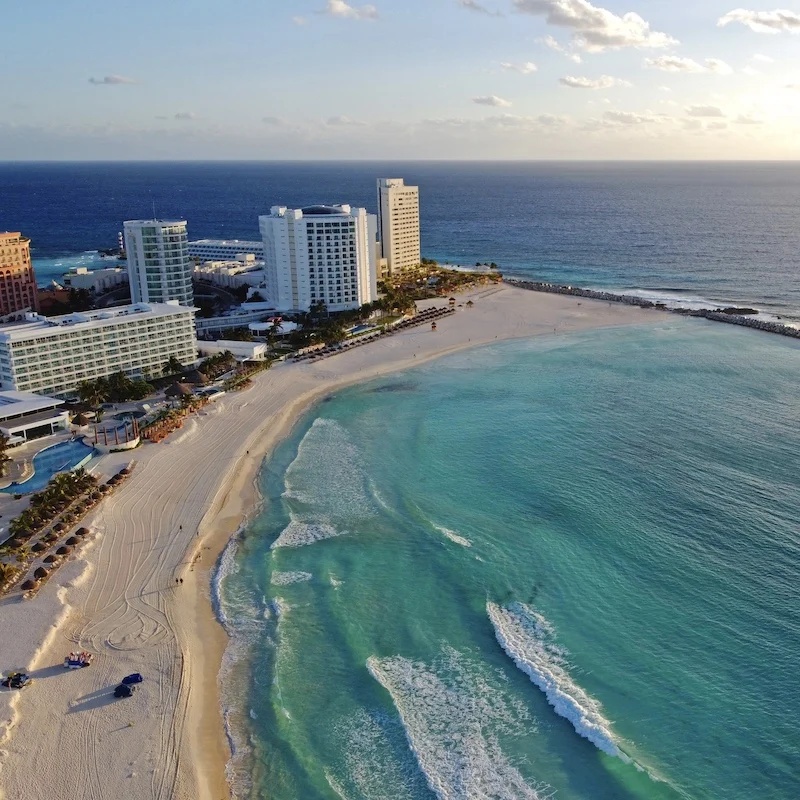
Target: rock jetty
[731,315]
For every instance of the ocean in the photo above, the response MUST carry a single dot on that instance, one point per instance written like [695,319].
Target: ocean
[561,567]
[683,232]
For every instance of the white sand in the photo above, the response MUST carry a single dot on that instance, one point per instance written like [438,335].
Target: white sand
[65,737]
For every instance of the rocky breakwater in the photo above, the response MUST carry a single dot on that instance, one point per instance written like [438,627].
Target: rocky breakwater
[732,315]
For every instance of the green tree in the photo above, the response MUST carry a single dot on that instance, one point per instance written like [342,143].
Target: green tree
[172,366]
[93,393]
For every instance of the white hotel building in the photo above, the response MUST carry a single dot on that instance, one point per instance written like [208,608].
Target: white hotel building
[159,267]
[398,220]
[52,355]
[319,254]
[225,249]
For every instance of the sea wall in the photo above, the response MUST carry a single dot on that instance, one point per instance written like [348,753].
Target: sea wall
[732,315]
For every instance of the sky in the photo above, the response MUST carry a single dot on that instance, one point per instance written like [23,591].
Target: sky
[400,79]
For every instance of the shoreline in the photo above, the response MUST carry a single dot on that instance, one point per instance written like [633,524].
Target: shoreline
[125,606]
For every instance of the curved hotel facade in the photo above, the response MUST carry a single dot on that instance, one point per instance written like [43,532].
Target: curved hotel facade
[159,266]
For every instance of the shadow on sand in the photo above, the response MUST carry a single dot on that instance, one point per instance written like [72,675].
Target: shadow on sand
[96,699]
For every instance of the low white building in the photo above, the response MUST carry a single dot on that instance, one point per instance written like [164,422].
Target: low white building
[25,416]
[52,355]
[97,281]
[241,351]
[225,249]
[244,271]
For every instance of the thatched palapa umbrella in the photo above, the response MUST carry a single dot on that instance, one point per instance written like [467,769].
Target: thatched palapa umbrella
[81,531]
[38,547]
[28,585]
[178,390]
[72,541]
[50,559]
[81,420]
[63,550]
[41,572]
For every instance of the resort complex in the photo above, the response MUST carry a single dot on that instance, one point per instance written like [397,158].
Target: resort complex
[52,355]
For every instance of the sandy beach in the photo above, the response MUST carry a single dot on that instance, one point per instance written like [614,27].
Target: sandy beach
[65,736]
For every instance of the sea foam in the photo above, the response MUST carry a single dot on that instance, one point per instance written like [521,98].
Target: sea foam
[452,718]
[287,578]
[529,639]
[453,536]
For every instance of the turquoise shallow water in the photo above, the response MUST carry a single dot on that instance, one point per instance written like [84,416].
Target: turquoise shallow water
[562,567]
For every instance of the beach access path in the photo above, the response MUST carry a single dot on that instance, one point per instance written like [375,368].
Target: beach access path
[65,736]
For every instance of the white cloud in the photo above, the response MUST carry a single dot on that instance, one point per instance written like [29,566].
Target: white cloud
[551,120]
[717,126]
[524,69]
[491,100]
[793,86]
[627,118]
[185,115]
[299,20]
[473,5]
[751,71]
[341,121]
[763,59]
[704,111]
[763,21]
[338,8]
[553,44]
[691,124]
[112,80]
[688,65]
[665,89]
[596,29]
[277,121]
[603,82]
[746,119]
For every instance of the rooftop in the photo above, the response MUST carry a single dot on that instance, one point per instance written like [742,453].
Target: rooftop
[14,404]
[36,325]
[317,211]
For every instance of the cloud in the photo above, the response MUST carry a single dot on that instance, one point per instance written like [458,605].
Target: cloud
[185,115]
[338,8]
[603,82]
[717,126]
[473,5]
[596,29]
[627,118]
[524,69]
[763,59]
[688,65]
[341,122]
[277,121]
[551,120]
[553,44]
[491,100]
[112,80]
[704,111]
[300,20]
[763,21]
[793,86]
[746,119]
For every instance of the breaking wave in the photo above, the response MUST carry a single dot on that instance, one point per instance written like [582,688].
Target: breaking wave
[453,536]
[287,578]
[452,719]
[529,639]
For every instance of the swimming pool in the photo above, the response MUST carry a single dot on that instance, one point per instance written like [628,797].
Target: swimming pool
[46,463]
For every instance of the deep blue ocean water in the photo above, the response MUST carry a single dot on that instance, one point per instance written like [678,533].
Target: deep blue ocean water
[567,566]
[725,232]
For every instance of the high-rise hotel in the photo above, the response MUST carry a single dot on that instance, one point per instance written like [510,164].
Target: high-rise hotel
[159,266]
[398,221]
[319,254]
[17,282]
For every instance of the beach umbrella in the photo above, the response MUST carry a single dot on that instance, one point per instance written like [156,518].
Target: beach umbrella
[124,471]
[196,377]
[81,531]
[73,540]
[59,526]
[50,559]
[38,547]
[41,572]
[81,420]
[63,550]
[28,585]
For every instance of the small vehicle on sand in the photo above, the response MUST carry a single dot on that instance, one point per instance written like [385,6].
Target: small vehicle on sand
[124,690]
[135,677]
[78,660]
[17,680]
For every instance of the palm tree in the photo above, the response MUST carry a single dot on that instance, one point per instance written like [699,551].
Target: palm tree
[172,366]
[93,393]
